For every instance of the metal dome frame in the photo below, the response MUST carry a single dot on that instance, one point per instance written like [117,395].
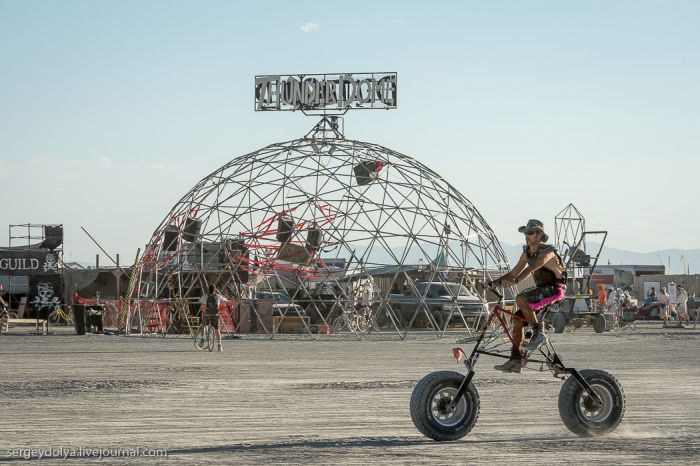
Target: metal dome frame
[319,216]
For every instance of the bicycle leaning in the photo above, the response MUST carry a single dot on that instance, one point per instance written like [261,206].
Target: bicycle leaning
[6,314]
[59,315]
[360,320]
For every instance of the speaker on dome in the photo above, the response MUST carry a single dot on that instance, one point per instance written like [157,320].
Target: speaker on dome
[191,230]
[285,229]
[367,171]
[314,236]
[170,235]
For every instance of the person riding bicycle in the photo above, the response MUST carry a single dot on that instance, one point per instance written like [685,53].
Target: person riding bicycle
[542,261]
[211,302]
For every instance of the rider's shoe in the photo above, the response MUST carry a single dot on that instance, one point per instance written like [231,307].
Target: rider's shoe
[538,338]
[219,348]
[512,366]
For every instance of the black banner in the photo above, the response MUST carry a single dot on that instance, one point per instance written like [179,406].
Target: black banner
[28,262]
[45,292]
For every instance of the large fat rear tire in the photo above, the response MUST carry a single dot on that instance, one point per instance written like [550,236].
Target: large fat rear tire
[429,401]
[579,413]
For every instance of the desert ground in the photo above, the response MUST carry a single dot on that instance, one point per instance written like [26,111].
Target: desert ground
[333,400]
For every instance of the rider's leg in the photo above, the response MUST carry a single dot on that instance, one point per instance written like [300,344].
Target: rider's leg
[528,313]
[217,336]
[518,326]
[514,364]
[538,328]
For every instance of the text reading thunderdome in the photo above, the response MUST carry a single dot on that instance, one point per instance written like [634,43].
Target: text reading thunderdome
[325,91]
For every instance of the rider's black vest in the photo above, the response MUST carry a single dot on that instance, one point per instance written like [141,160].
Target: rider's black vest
[542,276]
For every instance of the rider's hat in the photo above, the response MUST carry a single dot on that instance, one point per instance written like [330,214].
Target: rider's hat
[534,225]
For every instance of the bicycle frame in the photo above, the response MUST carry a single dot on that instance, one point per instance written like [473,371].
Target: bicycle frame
[551,358]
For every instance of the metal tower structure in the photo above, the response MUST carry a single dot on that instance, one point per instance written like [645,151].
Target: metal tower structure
[571,238]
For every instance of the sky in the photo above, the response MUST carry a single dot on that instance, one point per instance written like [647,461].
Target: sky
[111,111]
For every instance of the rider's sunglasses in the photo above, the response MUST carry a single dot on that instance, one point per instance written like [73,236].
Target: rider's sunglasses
[530,233]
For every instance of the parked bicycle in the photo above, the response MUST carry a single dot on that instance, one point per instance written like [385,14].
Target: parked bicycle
[360,320]
[63,315]
[6,314]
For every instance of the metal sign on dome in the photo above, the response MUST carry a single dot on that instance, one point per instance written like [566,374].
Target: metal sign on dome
[326,92]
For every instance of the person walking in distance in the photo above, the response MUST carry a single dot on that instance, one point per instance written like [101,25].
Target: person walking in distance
[651,296]
[602,298]
[682,304]
[665,306]
[211,302]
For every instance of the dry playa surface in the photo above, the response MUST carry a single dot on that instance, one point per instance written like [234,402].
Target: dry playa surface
[334,400]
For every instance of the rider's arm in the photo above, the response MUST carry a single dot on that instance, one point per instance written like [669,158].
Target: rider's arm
[522,262]
[537,264]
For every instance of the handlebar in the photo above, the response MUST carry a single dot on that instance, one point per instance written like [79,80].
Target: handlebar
[492,287]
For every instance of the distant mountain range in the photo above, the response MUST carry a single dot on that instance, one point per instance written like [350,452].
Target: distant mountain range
[678,258]
[691,257]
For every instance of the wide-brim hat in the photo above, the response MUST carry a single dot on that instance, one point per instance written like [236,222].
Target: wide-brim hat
[534,225]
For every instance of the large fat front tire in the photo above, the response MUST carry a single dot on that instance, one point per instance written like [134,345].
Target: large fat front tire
[429,402]
[581,415]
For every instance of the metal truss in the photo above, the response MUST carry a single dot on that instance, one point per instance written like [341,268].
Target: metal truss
[349,231]
[579,254]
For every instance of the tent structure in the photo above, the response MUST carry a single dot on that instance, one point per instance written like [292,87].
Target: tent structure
[336,233]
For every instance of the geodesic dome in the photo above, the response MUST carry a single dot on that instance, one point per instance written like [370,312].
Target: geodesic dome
[326,226]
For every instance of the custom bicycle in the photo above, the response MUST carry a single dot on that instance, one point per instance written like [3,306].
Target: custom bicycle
[204,338]
[445,404]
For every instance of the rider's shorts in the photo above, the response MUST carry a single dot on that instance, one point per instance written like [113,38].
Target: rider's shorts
[539,297]
[213,320]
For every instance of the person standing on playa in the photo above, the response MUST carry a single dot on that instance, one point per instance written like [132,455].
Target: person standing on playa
[602,297]
[682,304]
[211,302]
[651,296]
[613,301]
[665,305]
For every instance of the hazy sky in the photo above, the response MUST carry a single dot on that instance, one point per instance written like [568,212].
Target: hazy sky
[111,111]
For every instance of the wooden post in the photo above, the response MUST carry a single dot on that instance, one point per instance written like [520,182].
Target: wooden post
[118,276]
